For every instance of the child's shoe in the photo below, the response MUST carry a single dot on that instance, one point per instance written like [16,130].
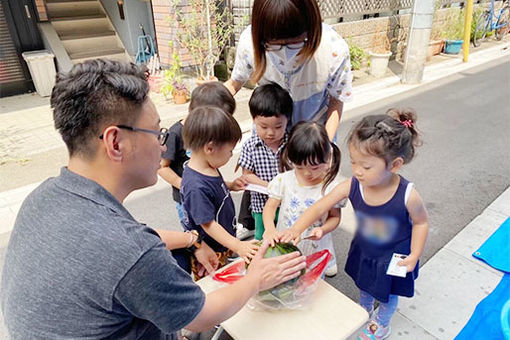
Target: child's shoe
[331,271]
[242,232]
[374,331]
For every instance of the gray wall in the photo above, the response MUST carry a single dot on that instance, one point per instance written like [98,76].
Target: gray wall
[135,12]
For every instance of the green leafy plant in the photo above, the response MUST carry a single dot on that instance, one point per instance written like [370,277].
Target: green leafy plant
[172,77]
[357,54]
[454,26]
[204,39]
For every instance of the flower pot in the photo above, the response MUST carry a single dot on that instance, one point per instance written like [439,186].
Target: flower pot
[180,97]
[435,47]
[379,63]
[453,46]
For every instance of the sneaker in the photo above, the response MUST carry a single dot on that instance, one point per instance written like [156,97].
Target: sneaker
[242,232]
[331,271]
[374,331]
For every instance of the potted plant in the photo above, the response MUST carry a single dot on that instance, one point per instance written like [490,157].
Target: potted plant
[453,32]
[203,28]
[357,54]
[379,54]
[180,92]
[173,86]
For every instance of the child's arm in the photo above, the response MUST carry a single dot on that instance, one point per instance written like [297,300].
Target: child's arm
[318,209]
[251,178]
[245,249]
[268,215]
[419,216]
[238,184]
[168,174]
[331,223]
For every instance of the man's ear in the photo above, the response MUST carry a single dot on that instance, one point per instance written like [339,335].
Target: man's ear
[113,143]
[396,164]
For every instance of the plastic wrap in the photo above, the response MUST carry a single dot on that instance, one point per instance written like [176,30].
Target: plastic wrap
[293,294]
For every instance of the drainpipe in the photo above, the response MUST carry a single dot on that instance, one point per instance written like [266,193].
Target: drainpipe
[417,41]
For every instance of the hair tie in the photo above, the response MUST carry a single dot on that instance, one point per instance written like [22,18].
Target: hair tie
[407,123]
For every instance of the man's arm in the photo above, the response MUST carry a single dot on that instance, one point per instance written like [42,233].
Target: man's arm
[176,239]
[262,274]
[335,110]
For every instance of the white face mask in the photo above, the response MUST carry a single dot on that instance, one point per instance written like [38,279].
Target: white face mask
[286,60]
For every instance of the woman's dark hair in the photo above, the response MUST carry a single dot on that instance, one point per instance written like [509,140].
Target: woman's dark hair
[271,100]
[387,136]
[309,144]
[209,124]
[93,95]
[284,19]
[213,94]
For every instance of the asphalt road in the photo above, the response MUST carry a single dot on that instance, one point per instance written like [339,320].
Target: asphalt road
[462,166]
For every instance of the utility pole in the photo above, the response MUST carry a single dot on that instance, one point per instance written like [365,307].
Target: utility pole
[417,41]
[467,30]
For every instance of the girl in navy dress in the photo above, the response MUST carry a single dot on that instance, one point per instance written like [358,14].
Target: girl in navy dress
[390,214]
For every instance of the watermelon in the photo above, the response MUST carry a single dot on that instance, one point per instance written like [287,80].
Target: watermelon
[285,291]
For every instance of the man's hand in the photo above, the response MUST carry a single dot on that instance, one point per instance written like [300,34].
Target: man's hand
[409,262]
[273,271]
[207,258]
[290,235]
[247,249]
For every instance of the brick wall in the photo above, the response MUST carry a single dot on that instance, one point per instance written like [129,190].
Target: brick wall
[166,32]
[41,10]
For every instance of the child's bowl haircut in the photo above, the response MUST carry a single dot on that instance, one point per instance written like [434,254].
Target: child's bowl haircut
[209,124]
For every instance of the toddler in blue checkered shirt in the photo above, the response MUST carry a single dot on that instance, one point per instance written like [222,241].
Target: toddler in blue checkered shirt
[271,109]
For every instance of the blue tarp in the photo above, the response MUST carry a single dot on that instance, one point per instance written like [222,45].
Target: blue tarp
[485,323]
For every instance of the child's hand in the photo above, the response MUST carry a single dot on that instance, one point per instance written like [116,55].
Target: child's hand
[289,235]
[409,262]
[315,234]
[271,236]
[238,184]
[251,178]
[247,249]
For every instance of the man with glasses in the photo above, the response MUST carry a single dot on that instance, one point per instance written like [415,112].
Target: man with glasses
[78,265]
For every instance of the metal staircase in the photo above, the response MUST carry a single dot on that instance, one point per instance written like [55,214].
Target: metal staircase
[85,30]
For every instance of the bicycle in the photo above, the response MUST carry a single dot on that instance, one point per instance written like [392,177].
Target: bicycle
[488,21]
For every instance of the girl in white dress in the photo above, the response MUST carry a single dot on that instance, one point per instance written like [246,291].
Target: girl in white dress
[314,163]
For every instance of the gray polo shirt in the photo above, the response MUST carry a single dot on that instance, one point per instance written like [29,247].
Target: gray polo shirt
[78,266]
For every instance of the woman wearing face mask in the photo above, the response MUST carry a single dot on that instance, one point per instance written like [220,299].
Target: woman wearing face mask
[288,44]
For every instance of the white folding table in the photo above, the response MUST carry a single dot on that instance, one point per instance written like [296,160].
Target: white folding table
[331,315]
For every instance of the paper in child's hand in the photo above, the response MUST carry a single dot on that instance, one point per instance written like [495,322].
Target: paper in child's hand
[394,269]
[257,188]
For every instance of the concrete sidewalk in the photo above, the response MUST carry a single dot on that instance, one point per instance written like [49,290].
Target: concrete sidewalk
[451,283]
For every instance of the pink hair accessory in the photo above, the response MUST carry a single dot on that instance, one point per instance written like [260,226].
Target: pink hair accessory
[407,123]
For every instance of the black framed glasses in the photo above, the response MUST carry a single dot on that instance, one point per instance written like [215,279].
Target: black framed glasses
[162,133]
[291,46]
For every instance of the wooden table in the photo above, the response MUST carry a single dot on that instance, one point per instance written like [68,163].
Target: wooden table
[331,315]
